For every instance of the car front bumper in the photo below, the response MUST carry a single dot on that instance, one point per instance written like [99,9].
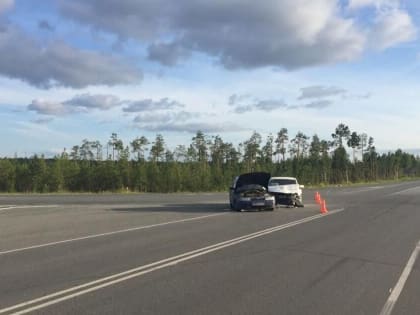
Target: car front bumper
[256,203]
[286,199]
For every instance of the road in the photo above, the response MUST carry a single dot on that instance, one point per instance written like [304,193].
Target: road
[188,254]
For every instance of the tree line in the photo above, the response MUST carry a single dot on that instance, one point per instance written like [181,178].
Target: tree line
[208,163]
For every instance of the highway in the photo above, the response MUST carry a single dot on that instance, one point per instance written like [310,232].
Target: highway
[188,254]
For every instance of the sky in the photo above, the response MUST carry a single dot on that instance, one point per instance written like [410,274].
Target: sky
[84,69]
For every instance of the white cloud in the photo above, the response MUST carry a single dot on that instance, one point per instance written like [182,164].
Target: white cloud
[45,107]
[100,101]
[149,105]
[193,127]
[391,25]
[358,4]
[78,104]
[318,91]
[319,104]
[243,104]
[188,122]
[84,103]
[165,117]
[392,28]
[58,64]
[239,34]
[43,120]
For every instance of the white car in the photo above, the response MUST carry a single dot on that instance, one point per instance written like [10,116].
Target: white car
[286,190]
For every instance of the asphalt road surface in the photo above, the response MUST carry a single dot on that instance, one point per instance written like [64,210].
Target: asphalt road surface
[188,254]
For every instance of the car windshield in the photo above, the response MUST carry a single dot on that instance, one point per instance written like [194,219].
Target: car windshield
[282,181]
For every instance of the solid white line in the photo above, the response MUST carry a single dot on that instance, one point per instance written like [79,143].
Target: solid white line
[27,207]
[393,298]
[405,190]
[363,190]
[108,233]
[136,272]
[6,208]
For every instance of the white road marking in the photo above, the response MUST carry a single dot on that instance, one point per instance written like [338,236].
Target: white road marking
[405,190]
[79,290]
[396,291]
[108,233]
[6,207]
[27,207]
[363,189]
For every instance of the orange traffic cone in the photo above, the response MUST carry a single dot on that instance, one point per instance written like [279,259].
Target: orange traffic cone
[318,198]
[324,207]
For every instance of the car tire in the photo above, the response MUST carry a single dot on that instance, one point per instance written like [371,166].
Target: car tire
[235,207]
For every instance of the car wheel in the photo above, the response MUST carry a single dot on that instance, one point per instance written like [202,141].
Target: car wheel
[235,207]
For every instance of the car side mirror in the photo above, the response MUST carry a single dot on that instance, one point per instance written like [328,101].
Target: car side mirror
[301,186]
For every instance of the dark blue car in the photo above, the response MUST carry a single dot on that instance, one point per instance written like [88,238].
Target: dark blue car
[249,191]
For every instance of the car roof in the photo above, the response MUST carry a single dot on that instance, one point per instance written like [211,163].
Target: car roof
[282,177]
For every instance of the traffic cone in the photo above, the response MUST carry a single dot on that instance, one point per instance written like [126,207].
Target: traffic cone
[318,198]
[324,207]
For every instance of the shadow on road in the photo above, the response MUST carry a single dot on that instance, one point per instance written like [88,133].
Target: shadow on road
[183,208]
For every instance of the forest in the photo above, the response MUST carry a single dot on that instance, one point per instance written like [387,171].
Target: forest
[207,164]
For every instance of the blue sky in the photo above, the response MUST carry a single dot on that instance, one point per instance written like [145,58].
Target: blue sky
[74,70]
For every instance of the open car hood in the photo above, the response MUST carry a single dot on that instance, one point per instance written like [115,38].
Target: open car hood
[257,178]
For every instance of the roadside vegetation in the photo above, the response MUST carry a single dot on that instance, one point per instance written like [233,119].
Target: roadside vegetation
[207,164]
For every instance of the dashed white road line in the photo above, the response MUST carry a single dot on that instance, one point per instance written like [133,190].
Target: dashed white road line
[393,298]
[143,227]
[60,296]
